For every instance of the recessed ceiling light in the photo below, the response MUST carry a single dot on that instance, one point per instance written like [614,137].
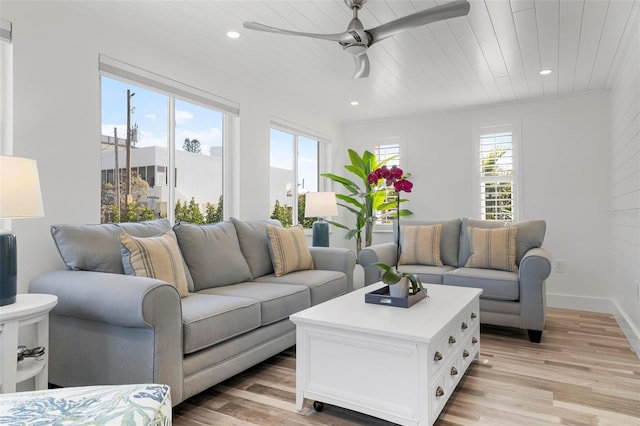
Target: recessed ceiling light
[354,103]
[233,34]
[545,72]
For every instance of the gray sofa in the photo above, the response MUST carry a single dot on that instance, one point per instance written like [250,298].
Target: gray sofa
[112,328]
[513,299]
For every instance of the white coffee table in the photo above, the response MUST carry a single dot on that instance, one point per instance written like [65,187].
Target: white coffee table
[397,364]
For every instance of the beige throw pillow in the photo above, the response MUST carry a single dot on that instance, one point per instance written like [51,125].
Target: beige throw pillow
[155,257]
[493,248]
[289,250]
[421,245]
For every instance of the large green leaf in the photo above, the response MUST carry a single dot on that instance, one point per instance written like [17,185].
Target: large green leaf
[356,161]
[338,225]
[348,184]
[356,171]
[350,200]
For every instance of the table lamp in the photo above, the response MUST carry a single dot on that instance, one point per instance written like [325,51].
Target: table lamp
[320,205]
[20,197]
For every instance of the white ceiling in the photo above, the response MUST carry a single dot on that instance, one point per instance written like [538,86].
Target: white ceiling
[491,56]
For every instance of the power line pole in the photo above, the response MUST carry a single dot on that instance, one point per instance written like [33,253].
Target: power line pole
[128,146]
[116,172]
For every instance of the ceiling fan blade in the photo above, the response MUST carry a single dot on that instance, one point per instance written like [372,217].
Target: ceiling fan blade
[341,37]
[438,13]
[362,66]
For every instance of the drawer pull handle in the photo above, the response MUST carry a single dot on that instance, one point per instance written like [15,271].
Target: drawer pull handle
[465,353]
[464,326]
[439,391]
[473,315]
[437,357]
[454,371]
[474,340]
[452,340]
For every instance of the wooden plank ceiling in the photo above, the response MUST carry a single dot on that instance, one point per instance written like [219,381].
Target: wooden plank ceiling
[492,56]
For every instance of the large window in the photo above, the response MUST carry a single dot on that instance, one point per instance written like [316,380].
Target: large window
[162,154]
[497,173]
[294,166]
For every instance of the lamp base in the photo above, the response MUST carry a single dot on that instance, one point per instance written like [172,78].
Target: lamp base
[8,268]
[320,233]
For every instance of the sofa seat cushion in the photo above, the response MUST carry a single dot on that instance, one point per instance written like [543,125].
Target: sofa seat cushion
[498,285]
[277,301]
[209,319]
[427,274]
[323,285]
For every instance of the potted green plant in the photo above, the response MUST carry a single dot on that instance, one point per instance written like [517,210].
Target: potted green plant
[398,281]
[363,198]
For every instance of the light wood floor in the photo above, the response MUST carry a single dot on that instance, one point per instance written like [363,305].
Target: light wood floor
[583,373]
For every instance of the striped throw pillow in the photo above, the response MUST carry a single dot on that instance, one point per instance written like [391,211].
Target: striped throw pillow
[493,248]
[289,250]
[421,245]
[155,257]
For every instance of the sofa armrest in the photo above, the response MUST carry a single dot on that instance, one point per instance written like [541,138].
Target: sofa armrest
[385,253]
[111,298]
[118,305]
[535,268]
[335,259]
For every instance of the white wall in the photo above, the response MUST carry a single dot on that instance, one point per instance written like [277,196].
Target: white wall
[57,118]
[625,184]
[565,173]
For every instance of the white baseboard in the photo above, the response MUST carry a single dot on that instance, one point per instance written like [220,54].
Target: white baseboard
[598,304]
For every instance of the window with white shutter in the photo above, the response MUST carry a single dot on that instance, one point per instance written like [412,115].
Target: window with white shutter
[387,149]
[497,183]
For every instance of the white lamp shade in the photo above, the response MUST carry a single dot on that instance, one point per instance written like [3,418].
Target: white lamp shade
[320,204]
[20,194]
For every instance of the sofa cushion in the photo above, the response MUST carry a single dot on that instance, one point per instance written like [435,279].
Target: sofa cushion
[530,235]
[323,285]
[209,319]
[288,249]
[498,285]
[155,257]
[427,274]
[449,237]
[420,245]
[212,253]
[97,247]
[493,248]
[252,237]
[277,301]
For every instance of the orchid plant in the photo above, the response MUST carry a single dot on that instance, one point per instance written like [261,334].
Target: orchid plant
[394,177]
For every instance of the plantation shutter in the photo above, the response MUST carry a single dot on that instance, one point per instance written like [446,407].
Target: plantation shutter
[497,183]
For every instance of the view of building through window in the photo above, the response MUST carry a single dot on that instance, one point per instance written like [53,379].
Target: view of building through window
[138,153]
[294,172]
[497,185]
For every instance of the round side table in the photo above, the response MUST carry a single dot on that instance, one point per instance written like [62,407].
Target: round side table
[28,309]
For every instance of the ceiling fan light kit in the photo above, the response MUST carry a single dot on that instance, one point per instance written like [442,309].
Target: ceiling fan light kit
[356,40]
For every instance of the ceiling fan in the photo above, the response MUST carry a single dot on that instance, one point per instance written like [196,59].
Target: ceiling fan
[356,40]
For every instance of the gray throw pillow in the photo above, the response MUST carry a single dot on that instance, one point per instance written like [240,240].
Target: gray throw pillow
[212,253]
[97,247]
[252,236]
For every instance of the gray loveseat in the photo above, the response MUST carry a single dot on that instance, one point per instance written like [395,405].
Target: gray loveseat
[113,328]
[513,299]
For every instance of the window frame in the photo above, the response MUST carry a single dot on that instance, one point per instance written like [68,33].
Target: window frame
[516,176]
[172,89]
[324,147]
[389,140]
